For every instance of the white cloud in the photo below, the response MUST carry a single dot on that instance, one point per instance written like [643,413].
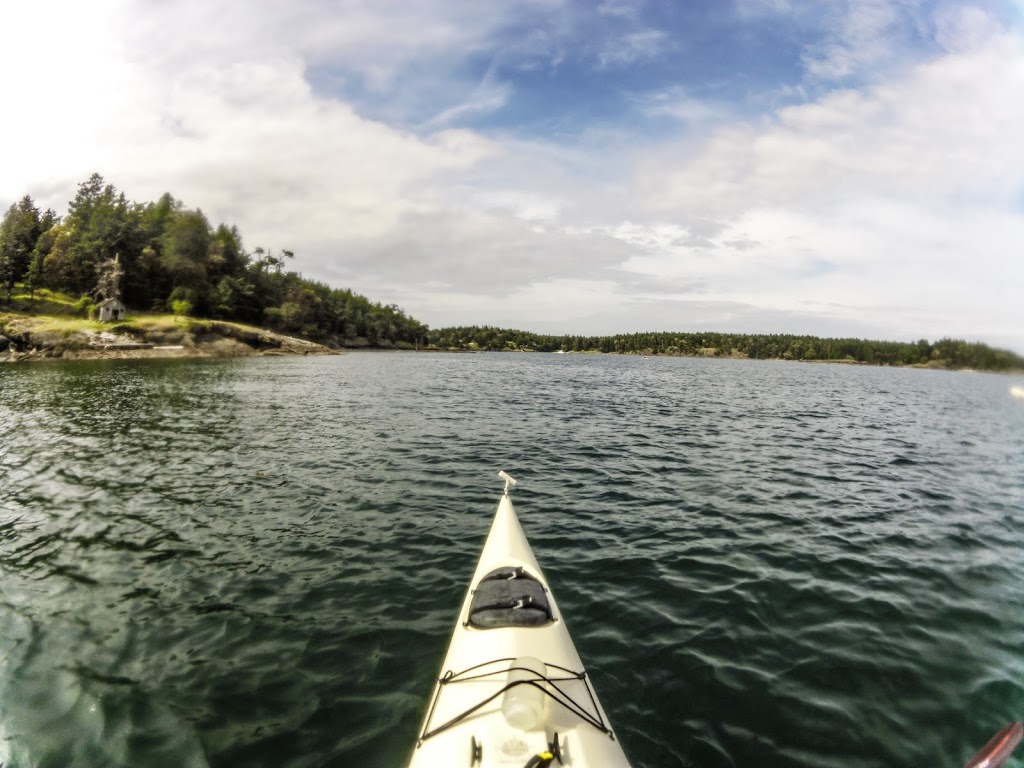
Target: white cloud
[862,37]
[489,95]
[235,128]
[945,131]
[548,306]
[633,46]
[378,40]
[966,28]
[756,8]
[894,208]
[879,264]
[679,105]
[522,205]
[901,202]
[619,9]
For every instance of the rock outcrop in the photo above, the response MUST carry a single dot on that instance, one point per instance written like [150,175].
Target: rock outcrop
[26,338]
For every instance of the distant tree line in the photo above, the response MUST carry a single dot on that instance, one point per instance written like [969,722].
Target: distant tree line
[173,259]
[947,352]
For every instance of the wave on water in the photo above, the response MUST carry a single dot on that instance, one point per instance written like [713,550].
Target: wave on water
[259,562]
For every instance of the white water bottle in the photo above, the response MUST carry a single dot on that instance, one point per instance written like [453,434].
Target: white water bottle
[524,704]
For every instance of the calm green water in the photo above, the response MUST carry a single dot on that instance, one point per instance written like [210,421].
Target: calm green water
[258,562]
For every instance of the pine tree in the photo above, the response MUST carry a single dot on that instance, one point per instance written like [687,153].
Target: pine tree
[19,231]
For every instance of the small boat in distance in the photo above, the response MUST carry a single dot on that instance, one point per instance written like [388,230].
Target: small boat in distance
[1017,392]
[512,689]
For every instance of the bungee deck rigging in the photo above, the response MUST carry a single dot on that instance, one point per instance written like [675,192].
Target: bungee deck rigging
[593,717]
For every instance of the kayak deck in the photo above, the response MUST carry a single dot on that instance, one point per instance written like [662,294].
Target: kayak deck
[512,685]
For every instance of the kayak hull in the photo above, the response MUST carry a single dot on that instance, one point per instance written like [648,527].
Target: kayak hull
[507,693]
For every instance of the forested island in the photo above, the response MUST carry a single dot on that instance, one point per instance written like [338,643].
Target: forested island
[947,353]
[170,259]
[174,260]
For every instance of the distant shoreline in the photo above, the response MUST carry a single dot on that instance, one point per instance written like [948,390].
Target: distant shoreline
[33,337]
[950,354]
[931,366]
[215,346]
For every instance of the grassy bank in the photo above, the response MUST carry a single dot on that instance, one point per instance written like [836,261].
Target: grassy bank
[49,325]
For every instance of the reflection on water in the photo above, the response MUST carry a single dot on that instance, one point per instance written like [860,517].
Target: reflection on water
[257,562]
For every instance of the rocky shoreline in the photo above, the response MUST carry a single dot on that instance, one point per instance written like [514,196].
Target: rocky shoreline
[21,340]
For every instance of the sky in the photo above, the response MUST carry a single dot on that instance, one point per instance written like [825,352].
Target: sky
[828,167]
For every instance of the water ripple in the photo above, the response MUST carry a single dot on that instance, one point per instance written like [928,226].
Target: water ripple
[258,562]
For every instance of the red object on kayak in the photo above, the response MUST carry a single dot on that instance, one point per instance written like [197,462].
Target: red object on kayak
[1001,746]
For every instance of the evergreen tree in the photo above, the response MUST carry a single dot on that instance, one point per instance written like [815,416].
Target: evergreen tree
[19,231]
